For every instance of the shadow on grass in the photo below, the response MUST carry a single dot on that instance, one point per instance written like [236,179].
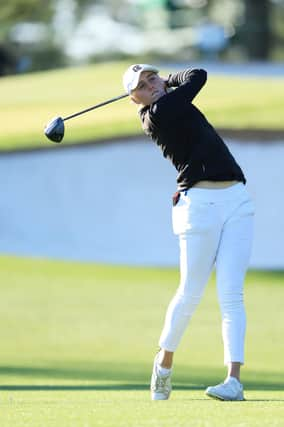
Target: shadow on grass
[124,377]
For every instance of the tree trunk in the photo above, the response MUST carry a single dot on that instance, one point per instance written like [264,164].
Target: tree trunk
[257,29]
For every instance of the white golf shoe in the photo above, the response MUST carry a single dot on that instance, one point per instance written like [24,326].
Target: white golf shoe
[231,389]
[160,383]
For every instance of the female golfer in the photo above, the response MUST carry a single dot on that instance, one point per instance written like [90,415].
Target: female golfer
[212,215]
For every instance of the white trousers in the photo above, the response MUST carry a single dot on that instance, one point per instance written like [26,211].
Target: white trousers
[215,228]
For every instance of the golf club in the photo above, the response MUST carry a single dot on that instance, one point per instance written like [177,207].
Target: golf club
[54,130]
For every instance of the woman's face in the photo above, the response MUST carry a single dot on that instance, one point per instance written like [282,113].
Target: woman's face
[149,89]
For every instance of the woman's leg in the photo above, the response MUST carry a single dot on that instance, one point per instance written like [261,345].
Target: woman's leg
[198,247]
[197,256]
[166,358]
[197,260]
[231,266]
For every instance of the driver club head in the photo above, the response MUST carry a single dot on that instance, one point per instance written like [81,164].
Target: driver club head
[54,130]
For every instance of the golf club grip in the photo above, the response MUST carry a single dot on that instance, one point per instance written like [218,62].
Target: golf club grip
[96,106]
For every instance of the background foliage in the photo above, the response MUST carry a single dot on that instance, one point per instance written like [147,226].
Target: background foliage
[253,29]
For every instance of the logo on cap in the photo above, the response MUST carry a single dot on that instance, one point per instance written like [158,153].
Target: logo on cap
[136,68]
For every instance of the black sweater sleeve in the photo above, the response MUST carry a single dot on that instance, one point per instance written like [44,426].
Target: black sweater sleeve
[194,79]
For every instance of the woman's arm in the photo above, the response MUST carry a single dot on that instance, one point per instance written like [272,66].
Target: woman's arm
[192,80]
[177,79]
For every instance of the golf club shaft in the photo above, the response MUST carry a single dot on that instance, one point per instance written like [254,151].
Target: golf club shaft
[95,106]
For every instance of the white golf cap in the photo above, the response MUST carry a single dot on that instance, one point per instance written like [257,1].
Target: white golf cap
[132,74]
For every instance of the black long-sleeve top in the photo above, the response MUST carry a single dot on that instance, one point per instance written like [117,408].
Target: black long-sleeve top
[185,136]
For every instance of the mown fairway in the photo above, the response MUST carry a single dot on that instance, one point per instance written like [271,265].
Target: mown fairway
[77,343]
[29,101]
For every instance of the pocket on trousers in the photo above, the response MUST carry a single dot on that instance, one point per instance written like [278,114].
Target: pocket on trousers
[189,216]
[246,208]
[179,217]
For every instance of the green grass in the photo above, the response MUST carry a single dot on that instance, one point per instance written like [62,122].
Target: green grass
[28,102]
[77,343]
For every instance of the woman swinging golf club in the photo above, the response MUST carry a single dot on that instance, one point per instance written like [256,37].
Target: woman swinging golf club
[212,215]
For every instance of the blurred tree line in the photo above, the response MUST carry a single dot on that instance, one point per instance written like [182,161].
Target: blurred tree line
[34,33]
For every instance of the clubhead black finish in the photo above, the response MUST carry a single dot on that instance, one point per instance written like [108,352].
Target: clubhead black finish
[54,130]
